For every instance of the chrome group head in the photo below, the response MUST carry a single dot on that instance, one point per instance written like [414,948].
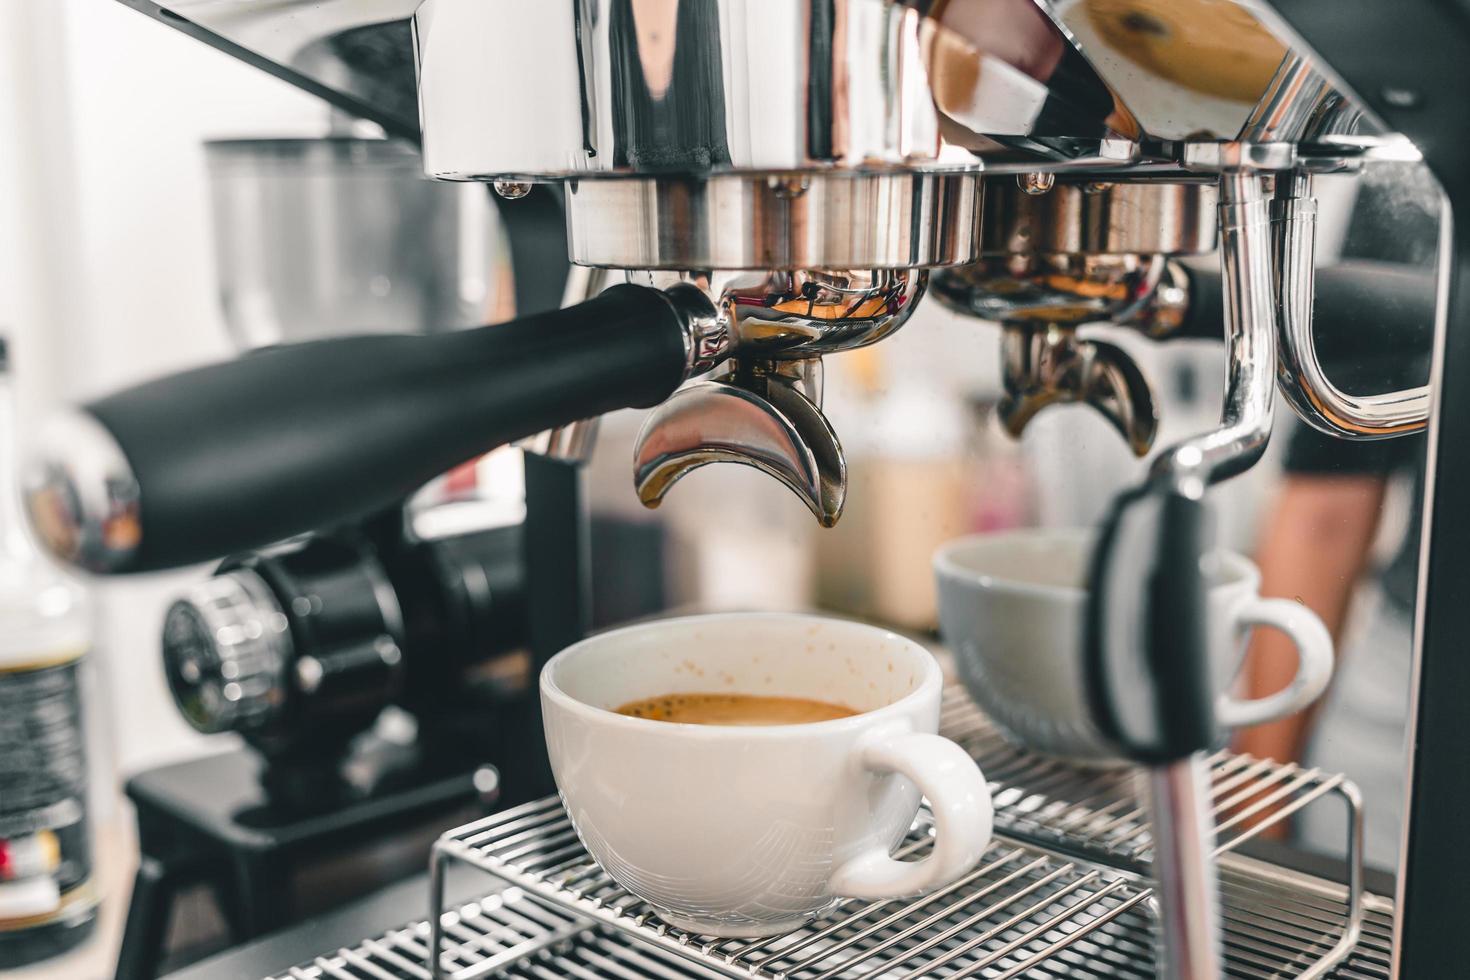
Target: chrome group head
[814,169]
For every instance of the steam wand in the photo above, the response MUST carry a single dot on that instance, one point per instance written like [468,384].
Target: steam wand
[1148,676]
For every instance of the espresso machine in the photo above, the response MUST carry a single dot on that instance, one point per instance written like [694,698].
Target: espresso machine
[750,186]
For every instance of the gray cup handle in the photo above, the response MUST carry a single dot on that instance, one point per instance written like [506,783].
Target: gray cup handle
[1314,663]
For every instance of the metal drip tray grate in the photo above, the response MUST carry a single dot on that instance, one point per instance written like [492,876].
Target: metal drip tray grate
[485,936]
[1018,904]
[1100,812]
[1061,892]
[511,934]
[506,934]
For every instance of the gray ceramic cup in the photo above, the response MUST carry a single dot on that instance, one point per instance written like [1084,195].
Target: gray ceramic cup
[1011,609]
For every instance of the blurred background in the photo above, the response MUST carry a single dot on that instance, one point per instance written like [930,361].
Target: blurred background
[124,239]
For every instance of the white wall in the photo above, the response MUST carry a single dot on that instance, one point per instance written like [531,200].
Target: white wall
[106,265]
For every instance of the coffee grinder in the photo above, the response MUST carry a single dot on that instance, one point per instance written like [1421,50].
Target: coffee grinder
[300,647]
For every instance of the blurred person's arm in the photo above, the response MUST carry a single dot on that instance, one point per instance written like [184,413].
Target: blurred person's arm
[1314,548]
[1316,542]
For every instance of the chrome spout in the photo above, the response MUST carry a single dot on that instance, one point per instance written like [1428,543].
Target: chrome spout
[763,415]
[763,408]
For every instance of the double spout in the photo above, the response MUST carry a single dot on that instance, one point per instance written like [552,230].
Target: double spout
[1063,254]
[763,407]
[764,414]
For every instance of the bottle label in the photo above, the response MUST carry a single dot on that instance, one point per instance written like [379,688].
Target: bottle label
[44,843]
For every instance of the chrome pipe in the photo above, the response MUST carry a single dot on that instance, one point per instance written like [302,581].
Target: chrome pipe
[1303,382]
[1250,346]
[1184,869]
[1301,105]
[1180,802]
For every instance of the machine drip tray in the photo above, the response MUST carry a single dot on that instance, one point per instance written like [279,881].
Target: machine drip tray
[1063,890]
[511,933]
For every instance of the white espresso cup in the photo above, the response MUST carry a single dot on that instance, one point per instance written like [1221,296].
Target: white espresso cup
[1012,608]
[753,830]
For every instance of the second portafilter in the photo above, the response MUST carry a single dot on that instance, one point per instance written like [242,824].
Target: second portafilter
[1060,254]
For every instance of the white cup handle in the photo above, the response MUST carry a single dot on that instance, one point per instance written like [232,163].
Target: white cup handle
[963,815]
[1314,663]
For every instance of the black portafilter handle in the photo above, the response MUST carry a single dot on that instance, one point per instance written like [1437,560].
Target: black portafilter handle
[1145,649]
[236,455]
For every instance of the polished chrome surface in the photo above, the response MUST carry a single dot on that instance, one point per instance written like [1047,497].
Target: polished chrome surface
[1189,926]
[327,237]
[803,313]
[508,933]
[1045,365]
[1040,301]
[763,414]
[81,495]
[1015,84]
[784,221]
[707,330]
[1073,902]
[650,86]
[1167,306]
[1101,811]
[1036,183]
[1213,157]
[1187,68]
[1250,347]
[1217,70]
[764,408]
[571,443]
[512,190]
[1064,290]
[357,53]
[1301,106]
[226,643]
[1303,382]
[1097,216]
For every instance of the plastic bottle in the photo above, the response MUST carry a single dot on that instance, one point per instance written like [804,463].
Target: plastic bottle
[48,895]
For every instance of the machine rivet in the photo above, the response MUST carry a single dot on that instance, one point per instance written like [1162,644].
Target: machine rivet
[1036,183]
[486,781]
[309,674]
[512,190]
[788,188]
[1169,295]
